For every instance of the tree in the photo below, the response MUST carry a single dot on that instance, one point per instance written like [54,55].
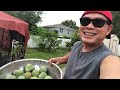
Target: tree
[31,17]
[70,23]
[46,39]
[116,23]
[75,38]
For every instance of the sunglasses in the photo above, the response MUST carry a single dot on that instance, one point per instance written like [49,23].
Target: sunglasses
[97,22]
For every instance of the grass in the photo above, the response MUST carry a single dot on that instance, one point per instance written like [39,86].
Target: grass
[35,53]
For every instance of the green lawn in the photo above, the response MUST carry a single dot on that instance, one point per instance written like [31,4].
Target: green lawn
[34,53]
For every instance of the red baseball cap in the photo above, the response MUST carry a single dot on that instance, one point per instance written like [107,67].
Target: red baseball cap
[107,14]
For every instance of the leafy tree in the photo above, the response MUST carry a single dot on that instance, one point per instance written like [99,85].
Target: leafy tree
[31,17]
[116,23]
[70,23]
[46,40]
[75,38]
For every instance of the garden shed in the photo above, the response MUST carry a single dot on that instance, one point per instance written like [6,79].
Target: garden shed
[14,35]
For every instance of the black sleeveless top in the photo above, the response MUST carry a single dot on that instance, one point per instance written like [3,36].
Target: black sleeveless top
[85,65]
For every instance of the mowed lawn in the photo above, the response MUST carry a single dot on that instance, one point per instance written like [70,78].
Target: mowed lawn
[35,53]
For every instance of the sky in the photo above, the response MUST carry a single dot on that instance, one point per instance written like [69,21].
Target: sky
[56,17]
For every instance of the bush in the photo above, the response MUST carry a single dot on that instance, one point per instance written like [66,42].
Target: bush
[68,45]
[75,38]
[47,40]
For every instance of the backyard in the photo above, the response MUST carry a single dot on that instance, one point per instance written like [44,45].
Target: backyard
[35,53]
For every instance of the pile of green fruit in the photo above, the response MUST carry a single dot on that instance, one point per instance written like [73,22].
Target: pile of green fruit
[30,72]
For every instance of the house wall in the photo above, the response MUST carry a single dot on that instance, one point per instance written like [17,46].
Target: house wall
[65,31]
[32,43]
[63,44]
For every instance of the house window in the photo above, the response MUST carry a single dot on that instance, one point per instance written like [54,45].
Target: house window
[68,32]
[61,30]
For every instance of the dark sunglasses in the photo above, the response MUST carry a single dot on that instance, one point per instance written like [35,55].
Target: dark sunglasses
[97,22]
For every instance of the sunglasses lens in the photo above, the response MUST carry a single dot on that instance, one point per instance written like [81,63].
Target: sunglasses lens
[98,22]
[85,21]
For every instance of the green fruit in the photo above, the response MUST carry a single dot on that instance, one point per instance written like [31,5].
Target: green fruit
[34,77]
[21,77]
[43,69]
[10,77]
[27,75]
[17,72]
[48,77]
[29,68]
[35,72]
[42,75]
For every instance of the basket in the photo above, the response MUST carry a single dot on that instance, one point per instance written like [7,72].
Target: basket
[53,70]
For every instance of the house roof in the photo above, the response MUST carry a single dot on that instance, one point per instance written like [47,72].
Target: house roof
[58,26]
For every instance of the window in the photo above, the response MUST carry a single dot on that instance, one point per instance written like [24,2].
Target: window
[61,30]
[68,32]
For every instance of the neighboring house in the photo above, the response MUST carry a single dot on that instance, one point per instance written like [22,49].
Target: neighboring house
[60,29]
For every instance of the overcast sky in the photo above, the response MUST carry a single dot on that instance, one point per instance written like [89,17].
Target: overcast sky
[56,17]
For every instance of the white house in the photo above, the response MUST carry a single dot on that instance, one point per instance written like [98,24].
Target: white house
[61,29]
[113,43]
[58,28]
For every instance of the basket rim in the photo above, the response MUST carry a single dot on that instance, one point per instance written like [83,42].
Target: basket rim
[35,60]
